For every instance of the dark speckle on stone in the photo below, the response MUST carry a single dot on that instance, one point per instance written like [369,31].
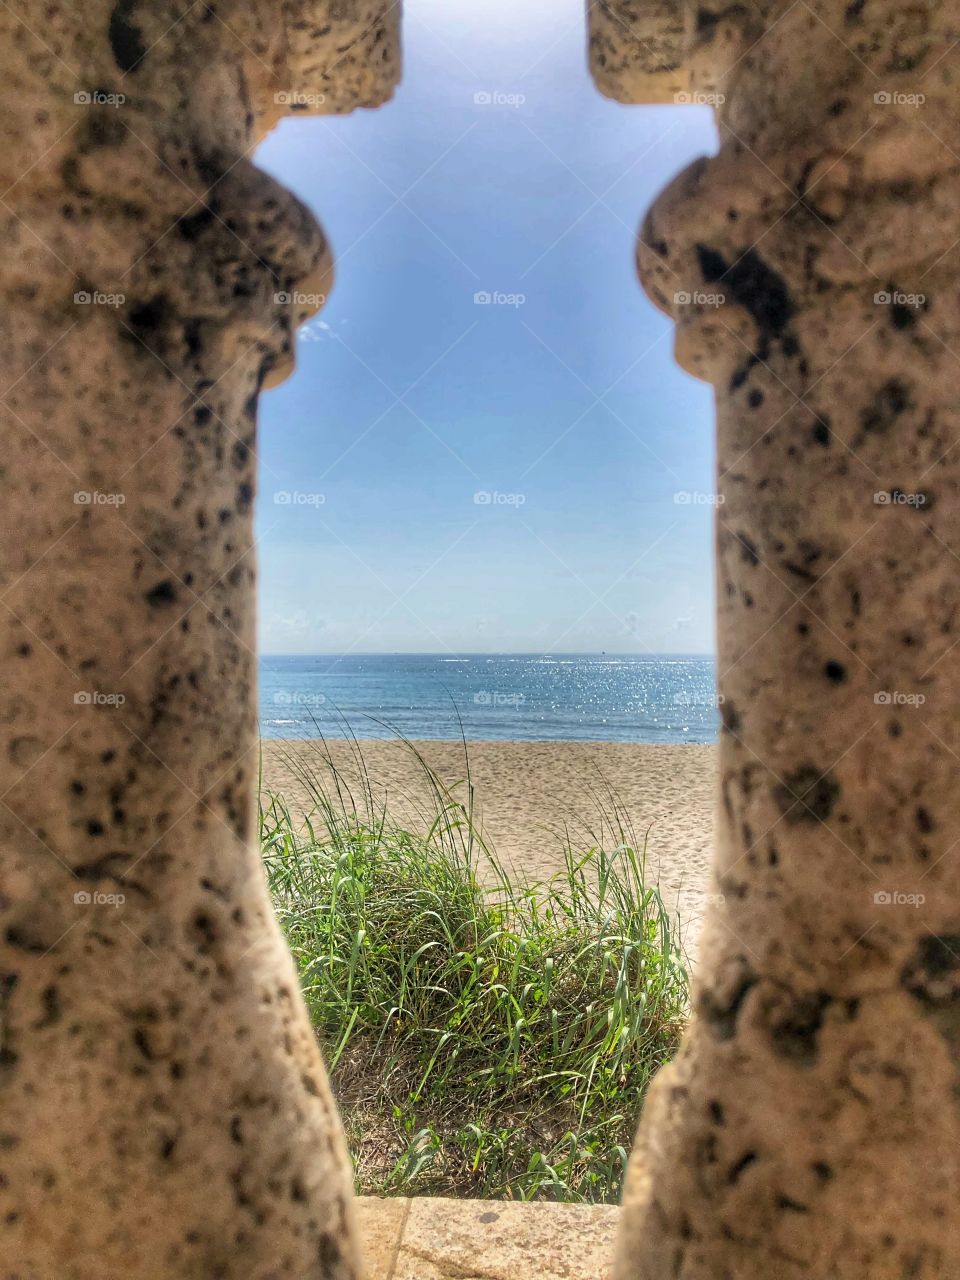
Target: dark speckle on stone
[720,1012]
[748,550]
[50,1000]
[730,716]
[793,1023]
[713,265]
[489,1217]
[149,318]
[328,1254]
[740,1166]
[887,405]
[193,336]
[142,1043]
[163,593]
[924,822]
[808,795]
[126,38]
[786,1202]
[205,930]
[835,672]
[932,974]
[191,225]
[754,285]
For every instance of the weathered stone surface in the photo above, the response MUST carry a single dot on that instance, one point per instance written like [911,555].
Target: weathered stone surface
[666,50]
[163,1107]
[435,1239]
[337,56]
[380,1225]
[637,49]
[810,1126]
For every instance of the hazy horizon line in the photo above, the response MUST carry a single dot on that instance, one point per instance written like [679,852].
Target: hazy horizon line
[487,653]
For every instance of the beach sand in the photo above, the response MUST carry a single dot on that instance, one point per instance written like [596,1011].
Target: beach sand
[527,791]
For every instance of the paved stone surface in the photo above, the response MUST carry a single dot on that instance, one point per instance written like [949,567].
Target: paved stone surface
[436,1239]
[380,1223]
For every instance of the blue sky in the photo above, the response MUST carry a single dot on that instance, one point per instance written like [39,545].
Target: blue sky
[411,399]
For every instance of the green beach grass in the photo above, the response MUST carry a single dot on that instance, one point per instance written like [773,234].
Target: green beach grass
[485,1037]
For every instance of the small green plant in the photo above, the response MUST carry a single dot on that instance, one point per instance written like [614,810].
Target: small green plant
[485,1037]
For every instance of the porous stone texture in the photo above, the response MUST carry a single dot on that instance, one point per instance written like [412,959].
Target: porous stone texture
[164,1111]
[810,1126]
[637,49]
[438,1239]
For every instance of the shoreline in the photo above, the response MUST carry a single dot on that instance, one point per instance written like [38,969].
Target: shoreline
[528,792]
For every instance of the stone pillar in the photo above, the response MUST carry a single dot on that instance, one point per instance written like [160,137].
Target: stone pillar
[811,1125]
[164,1111]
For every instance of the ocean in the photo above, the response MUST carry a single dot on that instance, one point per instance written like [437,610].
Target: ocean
[526,697]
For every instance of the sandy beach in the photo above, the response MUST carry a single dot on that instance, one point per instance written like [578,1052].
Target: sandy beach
[527,791]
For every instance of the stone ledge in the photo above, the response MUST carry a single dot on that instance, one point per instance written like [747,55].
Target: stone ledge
[434,1239]
[638,49]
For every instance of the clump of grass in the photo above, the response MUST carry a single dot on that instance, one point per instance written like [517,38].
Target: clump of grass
[485,1037]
